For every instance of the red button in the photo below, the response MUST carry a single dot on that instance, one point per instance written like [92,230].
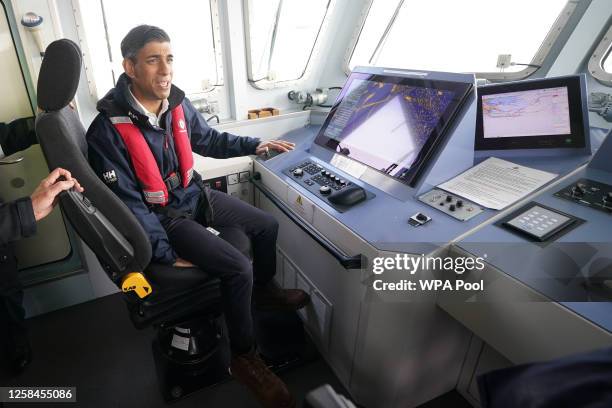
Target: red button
[218,184]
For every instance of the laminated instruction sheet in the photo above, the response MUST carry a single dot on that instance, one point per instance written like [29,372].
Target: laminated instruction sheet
[497,183]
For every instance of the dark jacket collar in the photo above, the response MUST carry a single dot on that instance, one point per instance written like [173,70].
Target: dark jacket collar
[116,101]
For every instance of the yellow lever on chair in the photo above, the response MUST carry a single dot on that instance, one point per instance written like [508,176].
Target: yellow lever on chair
[136,282]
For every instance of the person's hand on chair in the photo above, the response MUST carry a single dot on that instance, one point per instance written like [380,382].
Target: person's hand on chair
[44,198]
[181,263]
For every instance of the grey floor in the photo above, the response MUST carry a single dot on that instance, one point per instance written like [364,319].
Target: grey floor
[94,347]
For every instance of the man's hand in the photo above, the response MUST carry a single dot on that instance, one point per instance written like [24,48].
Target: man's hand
[44,197]
[181,263]
[278,145]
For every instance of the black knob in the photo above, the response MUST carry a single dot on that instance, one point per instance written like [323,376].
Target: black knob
[449,198]
[323,172]
[342,182]
[452,207]
[578,190]
[459,203]
[325,190]
[327,174]
[421,217]
[608,199]
[298,172]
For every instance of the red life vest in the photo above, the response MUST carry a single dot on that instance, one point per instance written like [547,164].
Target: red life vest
[147,172]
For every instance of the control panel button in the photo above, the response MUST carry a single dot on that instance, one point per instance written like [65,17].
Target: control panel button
[578,190]
[298,172]
[325,190]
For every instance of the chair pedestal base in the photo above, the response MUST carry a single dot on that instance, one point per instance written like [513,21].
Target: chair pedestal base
[205,356]
[181,373]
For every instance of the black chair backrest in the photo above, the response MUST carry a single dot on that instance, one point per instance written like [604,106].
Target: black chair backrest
[62,139]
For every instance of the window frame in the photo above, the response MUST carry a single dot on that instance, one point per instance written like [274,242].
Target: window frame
[264,84]
[26,76]
[538,59]
[601,53]
[88,65]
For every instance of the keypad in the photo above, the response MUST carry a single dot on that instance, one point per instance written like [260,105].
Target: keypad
[540,222]
[315,174]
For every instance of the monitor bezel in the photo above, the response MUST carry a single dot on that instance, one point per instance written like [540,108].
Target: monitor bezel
[575,98]
[461,89]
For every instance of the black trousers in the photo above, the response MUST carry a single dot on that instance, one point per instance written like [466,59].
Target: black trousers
[12,313]
[582,380]
[221,257]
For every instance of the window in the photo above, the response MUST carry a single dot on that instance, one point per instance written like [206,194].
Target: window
[600,63]
[281,36]
[460,36]
[192,26]
[16,101]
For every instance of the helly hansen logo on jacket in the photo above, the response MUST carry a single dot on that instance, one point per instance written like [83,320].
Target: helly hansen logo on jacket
[109,176]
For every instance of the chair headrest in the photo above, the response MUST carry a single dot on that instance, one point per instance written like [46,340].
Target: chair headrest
[59,75]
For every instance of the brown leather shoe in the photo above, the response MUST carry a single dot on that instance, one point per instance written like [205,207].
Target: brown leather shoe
[271,297]
[271,391]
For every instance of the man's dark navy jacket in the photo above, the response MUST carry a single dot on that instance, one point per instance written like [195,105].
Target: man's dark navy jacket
[108,155]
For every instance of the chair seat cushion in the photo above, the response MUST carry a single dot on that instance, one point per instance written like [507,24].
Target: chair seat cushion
[167,278]
[179,292]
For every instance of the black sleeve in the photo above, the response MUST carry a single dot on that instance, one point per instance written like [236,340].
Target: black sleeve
[16,220]
[17,135]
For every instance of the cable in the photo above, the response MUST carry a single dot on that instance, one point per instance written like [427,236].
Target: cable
[526,65]
[213,117]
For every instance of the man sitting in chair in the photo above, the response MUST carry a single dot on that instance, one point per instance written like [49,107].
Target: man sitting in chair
[141,144]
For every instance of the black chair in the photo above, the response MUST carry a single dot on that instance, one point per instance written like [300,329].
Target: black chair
[182,303]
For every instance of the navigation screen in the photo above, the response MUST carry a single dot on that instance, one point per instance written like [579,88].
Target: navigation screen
[527,113]
[547,113]
[391,123]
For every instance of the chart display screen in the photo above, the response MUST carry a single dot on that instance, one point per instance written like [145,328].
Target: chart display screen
[544,113]
[391,123]
[526,113]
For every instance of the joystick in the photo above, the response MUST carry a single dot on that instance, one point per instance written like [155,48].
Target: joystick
[577,190]
[607,200]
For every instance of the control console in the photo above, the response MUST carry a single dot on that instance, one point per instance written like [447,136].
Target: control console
[455,206]
[327,185]
[590,193]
